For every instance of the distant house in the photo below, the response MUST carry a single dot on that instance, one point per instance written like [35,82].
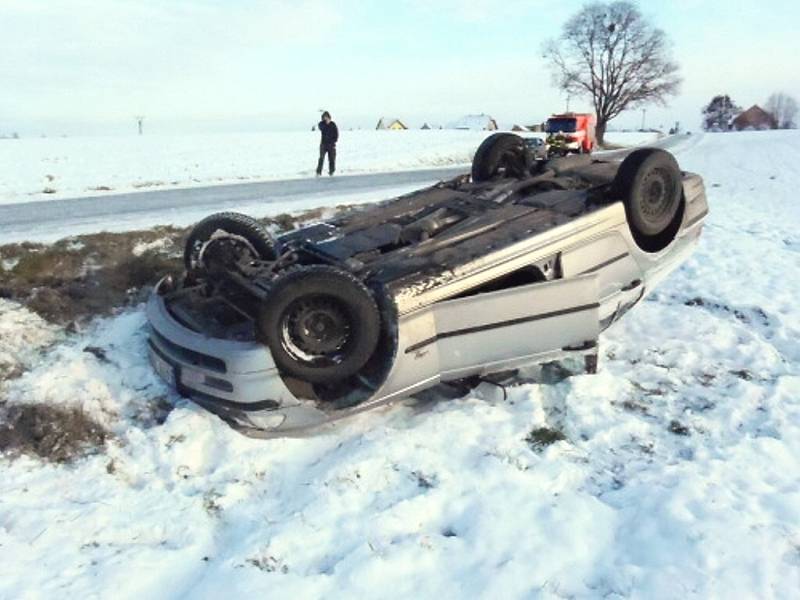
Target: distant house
[754,118]
[479,122]
[392,124]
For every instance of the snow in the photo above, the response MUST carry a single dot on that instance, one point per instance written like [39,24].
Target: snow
[631,138]
[52,168]
[23,335]
[76,167]
[678,476]
[154,245]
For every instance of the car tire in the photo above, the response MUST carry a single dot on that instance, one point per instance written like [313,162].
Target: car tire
[649,183]
[320,323]
[240,227]
[501,154]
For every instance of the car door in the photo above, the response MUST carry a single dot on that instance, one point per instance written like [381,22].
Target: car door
[507,328]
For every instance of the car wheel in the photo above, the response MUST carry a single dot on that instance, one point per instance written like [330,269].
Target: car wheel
[649,183]
[226,236]
[501,155]
[321,324]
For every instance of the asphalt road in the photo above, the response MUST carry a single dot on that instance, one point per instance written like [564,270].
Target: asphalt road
[46,220]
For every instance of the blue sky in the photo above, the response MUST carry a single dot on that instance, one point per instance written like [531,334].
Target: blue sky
[88,66]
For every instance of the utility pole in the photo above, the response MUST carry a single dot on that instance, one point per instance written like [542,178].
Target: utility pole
[139,121]
[568,97]
[644,112]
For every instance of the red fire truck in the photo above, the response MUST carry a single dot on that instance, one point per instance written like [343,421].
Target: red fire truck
[571,132]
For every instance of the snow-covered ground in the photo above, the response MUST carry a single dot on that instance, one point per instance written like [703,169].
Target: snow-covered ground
[48,168]
[679,475]
[631,138]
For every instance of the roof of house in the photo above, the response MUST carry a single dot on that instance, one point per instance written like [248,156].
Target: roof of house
[755,117]
[384,123]
[478,122]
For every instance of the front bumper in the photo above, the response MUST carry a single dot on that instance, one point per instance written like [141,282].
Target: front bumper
[234,379]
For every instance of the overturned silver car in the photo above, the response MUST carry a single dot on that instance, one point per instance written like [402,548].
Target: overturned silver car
[524,262]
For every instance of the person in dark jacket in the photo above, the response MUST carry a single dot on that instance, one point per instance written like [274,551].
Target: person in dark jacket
[327,145]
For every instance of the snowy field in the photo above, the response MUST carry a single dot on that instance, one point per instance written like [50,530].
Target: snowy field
[48,168]
[678,476]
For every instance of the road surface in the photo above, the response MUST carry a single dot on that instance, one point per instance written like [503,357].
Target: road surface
[50,220]
[55,219]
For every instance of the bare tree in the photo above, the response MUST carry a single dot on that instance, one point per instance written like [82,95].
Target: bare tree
[783,108]
[610,53]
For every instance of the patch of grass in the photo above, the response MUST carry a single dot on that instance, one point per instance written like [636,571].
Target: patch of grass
[139,271]
[743,374]
[658,391]
[46,265]
[210,503]
[542,437]
[86,276]
[268,564]
[449,532]
[424,482]
[52,433]
[678,428]
[9,372]
[284,222]
[635,407]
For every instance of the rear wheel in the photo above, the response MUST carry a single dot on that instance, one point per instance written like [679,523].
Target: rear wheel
[501,155]
[321,324]
[649,183]
[225,237]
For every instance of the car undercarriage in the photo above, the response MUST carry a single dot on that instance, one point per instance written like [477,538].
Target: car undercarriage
[521,263]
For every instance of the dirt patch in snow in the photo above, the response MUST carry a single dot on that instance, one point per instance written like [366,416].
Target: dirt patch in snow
[52,433]
[542,437]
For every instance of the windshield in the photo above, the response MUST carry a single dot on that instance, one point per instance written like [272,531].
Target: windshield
[556,125]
